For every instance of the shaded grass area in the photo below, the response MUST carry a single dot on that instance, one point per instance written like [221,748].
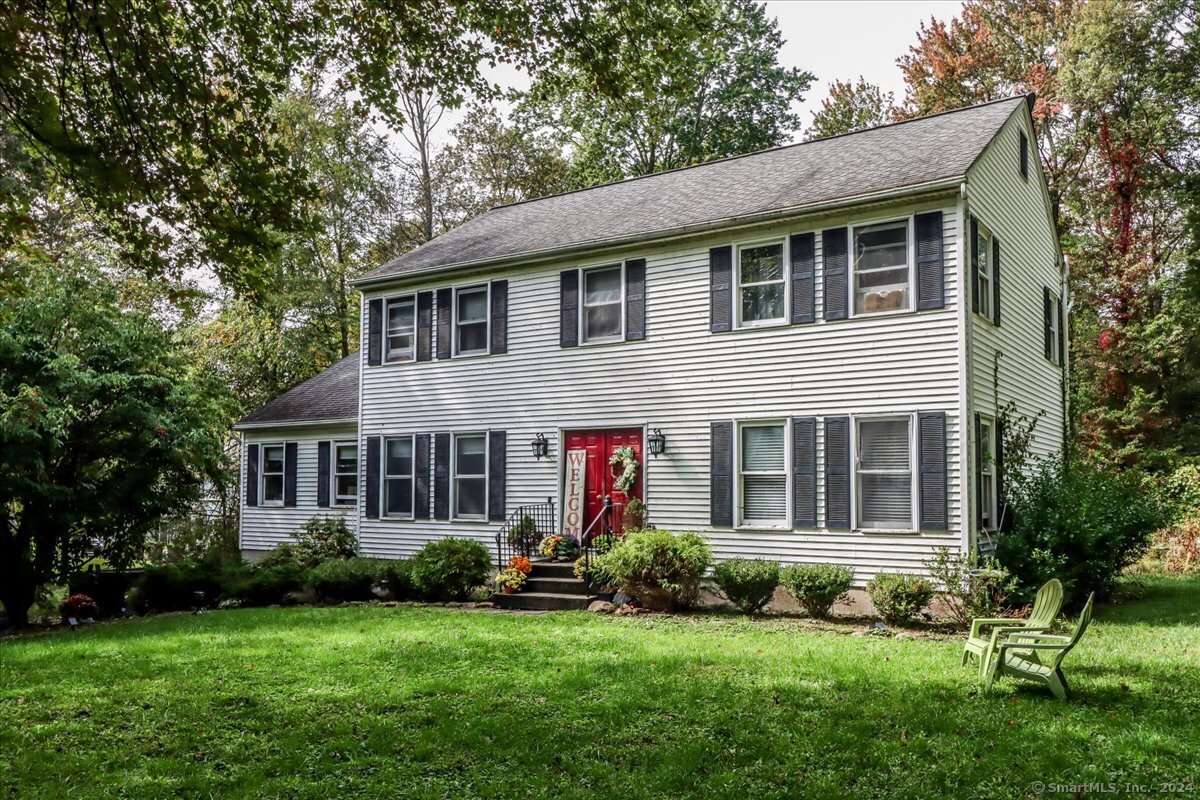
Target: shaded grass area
[437,703]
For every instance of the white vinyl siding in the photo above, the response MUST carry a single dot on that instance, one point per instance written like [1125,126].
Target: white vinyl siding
[763,475]
[400,336]
[883,474]
[271,474]
[762,283]
[471,321]
[345,473]
[882,267]
[469,476]
[398,477]
[603,303]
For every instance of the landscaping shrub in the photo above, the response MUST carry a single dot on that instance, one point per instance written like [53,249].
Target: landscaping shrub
[1174,550]
[449,569]
[747,582]
[972,587]
[633,518]
[322,539]
[264,585]
[106,586]
[286,553]
[345,579]
[1078,523]
[524,536]
[395,576]
[661,569]
[79,606]
[817,587]
[173,587]
[592,570]
[899,598]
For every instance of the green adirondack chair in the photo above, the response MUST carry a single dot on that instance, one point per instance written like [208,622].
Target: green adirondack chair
[1038,656]
[1046,606]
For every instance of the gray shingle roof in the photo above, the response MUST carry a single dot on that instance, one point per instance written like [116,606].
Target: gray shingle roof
[911,153]
[331,395]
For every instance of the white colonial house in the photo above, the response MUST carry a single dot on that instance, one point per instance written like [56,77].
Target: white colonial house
[817,337]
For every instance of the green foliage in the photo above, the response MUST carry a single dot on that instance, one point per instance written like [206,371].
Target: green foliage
[173,587]
[344,579]
[851,107]
[633,518]
[899,598]
[747,582]
[1180,493]
[323,539]
[1079,523]
[971,586]
[661,569]
[286,553]
[449,569]
[395,575]
[264,584]
[592,570]
[524,535]
[817,587]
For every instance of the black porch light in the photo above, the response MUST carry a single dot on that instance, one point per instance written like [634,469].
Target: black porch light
[541,448]
[657,442]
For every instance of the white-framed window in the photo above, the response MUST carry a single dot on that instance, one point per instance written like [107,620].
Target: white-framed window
[983,270]
[882,267]
[762,283]
[345,473]
[987,473]
[398,476]
[471,320]
[883,474]
[400,337]
[603,309]
[271,474]
[1054,325]
[763,475]
[469,476]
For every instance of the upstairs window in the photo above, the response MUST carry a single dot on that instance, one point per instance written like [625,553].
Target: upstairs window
[1053,329]
[345,473]
[884,474]
[470,476]
[761,288]
[881,271]
[471,321]
[398,476]
[1024,158]
[984,271]
[401,334]
[602,306]
[763,475]
[272,474]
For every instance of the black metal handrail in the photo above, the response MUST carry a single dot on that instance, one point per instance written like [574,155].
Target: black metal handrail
[524,530]
[587,544]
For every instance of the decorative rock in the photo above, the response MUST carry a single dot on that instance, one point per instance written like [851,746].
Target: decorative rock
[627,611]
[601,607]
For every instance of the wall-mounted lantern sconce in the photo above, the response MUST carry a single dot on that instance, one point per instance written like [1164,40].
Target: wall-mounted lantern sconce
[541,448]
[657,442]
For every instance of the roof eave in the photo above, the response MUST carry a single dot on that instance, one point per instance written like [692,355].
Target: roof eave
[665,234]
[293,423]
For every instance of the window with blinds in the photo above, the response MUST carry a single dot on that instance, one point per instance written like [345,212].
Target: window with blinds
[884,474]
[763,474]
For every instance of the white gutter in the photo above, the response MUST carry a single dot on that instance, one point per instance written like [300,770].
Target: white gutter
[293,423]
[670,234]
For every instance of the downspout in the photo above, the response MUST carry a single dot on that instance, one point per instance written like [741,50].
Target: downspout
[965,406]
[1064,378]
[241,487]
[360,506]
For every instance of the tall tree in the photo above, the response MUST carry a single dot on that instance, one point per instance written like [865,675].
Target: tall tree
[700,80]
[852,107]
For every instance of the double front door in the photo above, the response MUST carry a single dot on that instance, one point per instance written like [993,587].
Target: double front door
[599,477]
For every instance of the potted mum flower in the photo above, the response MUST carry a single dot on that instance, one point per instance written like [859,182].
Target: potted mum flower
[510,580]
[521,564]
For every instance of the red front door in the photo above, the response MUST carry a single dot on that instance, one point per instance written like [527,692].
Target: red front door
[598,476]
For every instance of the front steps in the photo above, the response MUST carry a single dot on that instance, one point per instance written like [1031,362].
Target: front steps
[552,586]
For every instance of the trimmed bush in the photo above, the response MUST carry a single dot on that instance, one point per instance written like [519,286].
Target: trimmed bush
[747,582]
[79,606]
[972,587]
[450,569]
[661,569]
[264,586]
[322,539]
[1078,523]
[173,587]
[344,579]
[395,575]
[281,554]
[899,598]
[817,587]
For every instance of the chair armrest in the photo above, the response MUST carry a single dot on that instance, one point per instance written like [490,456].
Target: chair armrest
[1050,637]
[1006,630]
[1011,645]
[976,624]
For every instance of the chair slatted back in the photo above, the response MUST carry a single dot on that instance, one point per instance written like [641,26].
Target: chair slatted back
[1046,605]
[1085,619]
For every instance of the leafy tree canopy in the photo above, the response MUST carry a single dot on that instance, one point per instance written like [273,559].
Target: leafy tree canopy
[852,107]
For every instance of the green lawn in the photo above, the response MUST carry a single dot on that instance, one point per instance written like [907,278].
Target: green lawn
[409,702]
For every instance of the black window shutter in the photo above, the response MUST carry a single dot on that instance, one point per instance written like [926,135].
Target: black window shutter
[837,472]
[1062,334]
[323,474]
[1003,517]
[720,289]
[721,475]
[803,250]
[1047,310]
[931,292]
[635,299]
[499,317]
[804,472]
[421,477]
[995,280]
[974,264]
[290,459]
[1024,155]
[445,323]
[251,474]
[497,456]
[931,449]
[441,476]
[375,332]
[835,261]
[371,497]
[978,472]
[568,308]
[424,326]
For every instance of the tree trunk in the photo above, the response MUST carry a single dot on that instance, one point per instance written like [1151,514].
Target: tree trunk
[18,581]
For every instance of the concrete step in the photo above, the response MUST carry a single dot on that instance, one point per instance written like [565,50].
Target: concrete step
[541,601]
[553,569]
[554,585]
